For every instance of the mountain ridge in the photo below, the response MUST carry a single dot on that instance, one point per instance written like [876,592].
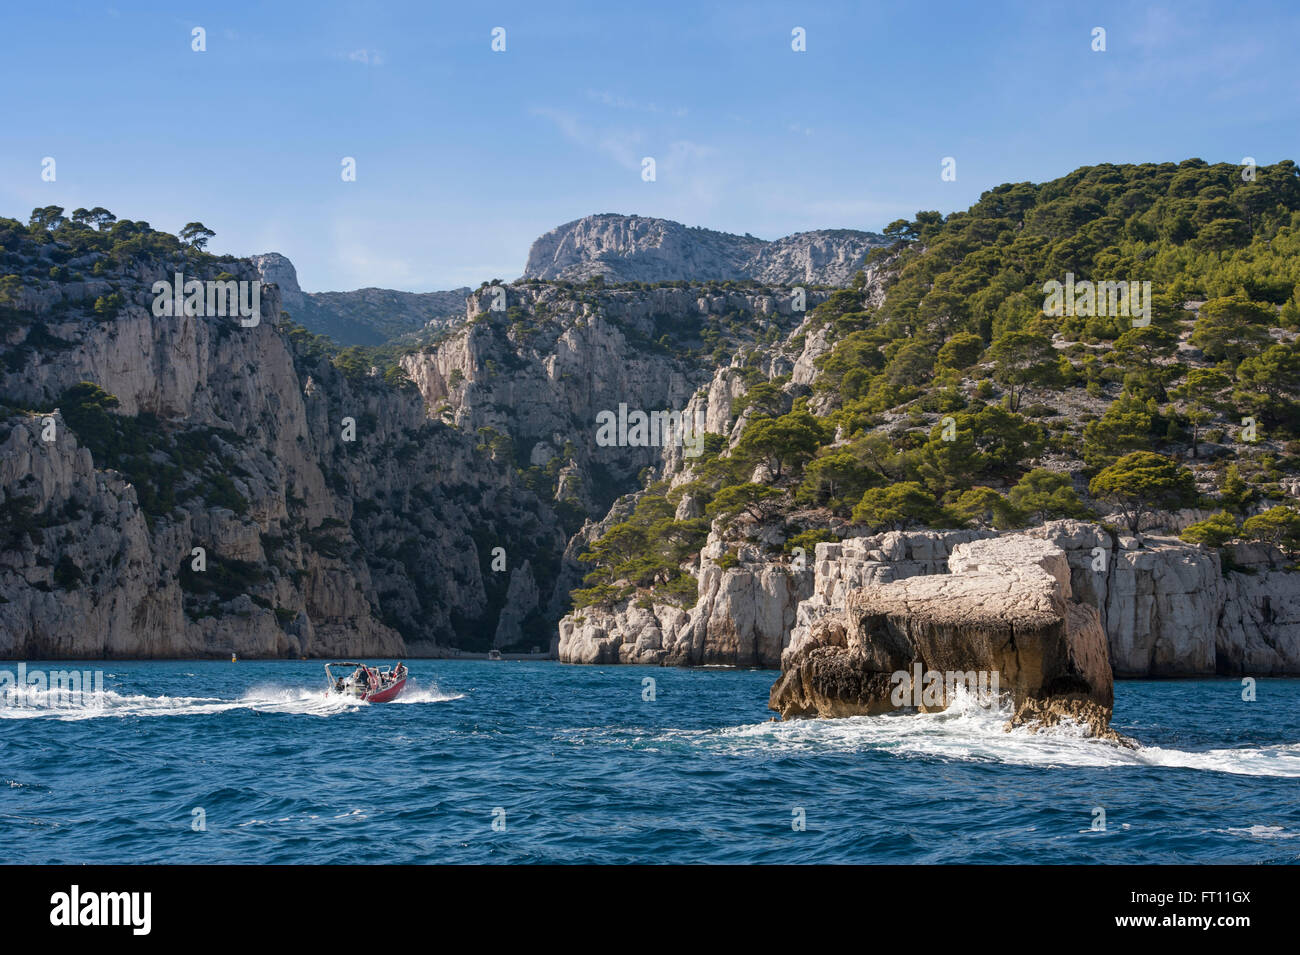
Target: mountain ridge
[632,248]
[364,316]
[616,246]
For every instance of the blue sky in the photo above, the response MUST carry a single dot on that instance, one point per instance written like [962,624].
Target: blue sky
[464,156]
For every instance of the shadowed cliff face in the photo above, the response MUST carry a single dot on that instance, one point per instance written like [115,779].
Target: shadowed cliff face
[537,364]
[220,489]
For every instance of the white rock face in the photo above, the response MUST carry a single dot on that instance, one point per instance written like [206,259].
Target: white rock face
[34,611]
[1160,599]
[1010,554]
[629,634]
[641,249]
[857,563]
[277,269]
[742,617]
[815,345]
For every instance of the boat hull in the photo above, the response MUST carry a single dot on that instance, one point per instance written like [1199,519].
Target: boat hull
[387,694]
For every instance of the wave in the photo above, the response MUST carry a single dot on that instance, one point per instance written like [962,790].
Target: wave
[972,732]
[44,703]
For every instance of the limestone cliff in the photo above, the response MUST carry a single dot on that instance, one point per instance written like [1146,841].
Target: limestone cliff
[641,249]
[537,363]
[1167,607]
[742,616]
[220,488]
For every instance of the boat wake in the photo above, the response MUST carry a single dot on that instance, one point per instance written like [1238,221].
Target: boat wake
[44,703]
[415,693]
[969,731]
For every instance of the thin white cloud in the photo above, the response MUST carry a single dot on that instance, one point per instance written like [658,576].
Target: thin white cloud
[622,146]
[681,162]
[617,101]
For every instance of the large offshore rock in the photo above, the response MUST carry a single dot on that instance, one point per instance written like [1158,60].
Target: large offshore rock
[1006,610]
[1167,607]
[857,562]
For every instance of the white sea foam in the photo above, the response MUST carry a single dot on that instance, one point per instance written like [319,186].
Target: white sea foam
[1261,832]
[415,693]
[50,704]
[967,731]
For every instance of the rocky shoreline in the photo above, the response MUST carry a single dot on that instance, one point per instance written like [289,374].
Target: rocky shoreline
[1056,613]
[1168,608]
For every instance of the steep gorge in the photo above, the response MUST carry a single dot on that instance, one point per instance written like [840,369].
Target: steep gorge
[456,494]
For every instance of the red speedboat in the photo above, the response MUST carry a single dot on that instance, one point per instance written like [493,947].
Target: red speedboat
[367,683]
